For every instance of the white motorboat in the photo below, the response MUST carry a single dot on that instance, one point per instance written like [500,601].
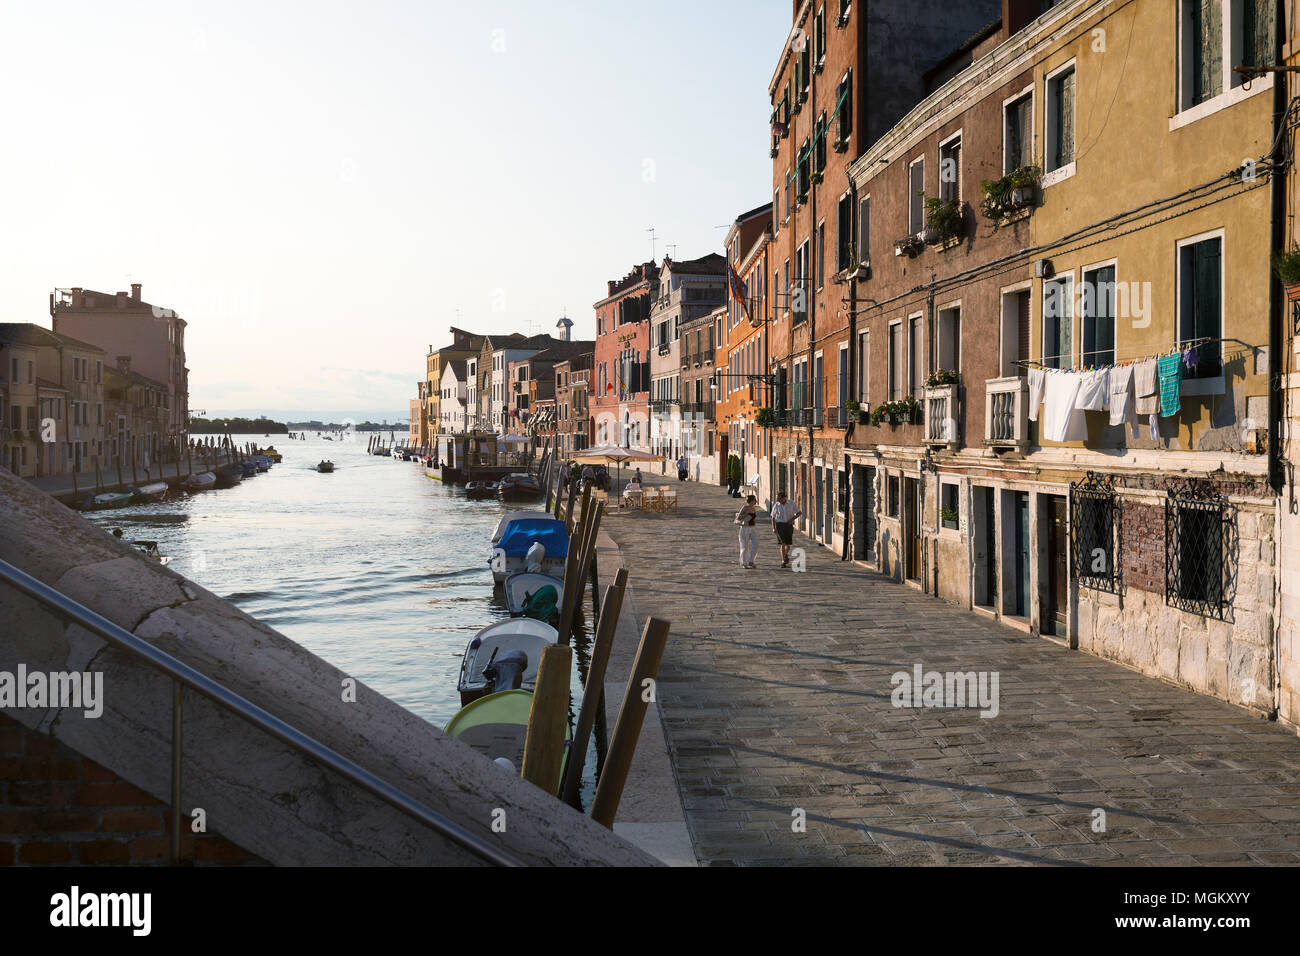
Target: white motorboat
[517,633]
[520,587]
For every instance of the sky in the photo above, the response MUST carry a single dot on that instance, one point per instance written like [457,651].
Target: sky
[321,190]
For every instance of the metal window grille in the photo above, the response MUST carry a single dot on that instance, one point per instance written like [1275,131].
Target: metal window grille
[1094,514]
[1199,545]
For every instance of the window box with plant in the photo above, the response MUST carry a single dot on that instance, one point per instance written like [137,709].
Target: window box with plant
[765,418]
[800,199]
[908,246]
[840,145]
[944,221]
[1013,193]
[815,177]
[856,412]
[949,518]
[901,412]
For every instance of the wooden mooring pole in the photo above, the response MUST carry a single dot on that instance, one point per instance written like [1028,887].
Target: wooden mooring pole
[627,728]
[592,692]
[548,718]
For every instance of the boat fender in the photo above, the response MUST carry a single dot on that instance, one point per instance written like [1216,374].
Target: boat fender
[505,762]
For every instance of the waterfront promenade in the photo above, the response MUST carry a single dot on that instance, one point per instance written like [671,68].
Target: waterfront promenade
[776,696]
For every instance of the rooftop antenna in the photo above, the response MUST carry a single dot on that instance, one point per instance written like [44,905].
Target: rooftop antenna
[671,246]
[651,230]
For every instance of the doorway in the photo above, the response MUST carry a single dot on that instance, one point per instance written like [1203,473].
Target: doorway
[1015,558]
[817,512]
[1055,580]
[864,512]
[985,543]
[912,528]
[828,504]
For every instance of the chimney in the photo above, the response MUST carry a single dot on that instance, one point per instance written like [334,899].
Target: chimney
[135,291]
[611,283]
[124,364]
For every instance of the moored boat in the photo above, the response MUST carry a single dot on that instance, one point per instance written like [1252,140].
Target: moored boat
[481,490]
[492,643]
[229,475]
[154,491]
[527,595]
[203,481]
[511,554]
[497,726]
[325,467]
[519,487]
[112,499]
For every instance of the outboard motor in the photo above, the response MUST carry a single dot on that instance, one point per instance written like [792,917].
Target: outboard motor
[535,556]
[506,672]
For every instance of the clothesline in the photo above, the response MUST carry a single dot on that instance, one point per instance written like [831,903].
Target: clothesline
[1171,348]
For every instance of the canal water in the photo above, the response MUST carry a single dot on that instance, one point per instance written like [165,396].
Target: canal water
[376,568]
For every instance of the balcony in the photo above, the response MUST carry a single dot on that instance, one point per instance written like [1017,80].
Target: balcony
[704,410]
[665,348]
[942,415]
[1006,412]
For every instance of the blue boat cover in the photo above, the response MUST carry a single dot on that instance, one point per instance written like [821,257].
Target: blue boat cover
[522,533]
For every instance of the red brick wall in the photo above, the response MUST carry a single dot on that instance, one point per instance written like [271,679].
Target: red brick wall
[1142,529]
[58,807]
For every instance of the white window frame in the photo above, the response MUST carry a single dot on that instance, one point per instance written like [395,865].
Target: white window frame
[1064,361]
[896,363]
[1234,86]
[1203,386]
[864,366]
[864,248]
[939,164]
[920,228]
[1083,271]
[1066,171]
[939,310]
[1033,124]
[945,482]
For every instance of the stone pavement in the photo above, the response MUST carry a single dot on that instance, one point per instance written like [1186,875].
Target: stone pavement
[776,693]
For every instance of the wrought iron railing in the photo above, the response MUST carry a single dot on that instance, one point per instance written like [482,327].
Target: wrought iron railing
[1094,532]
[1200,550]
[1006,412]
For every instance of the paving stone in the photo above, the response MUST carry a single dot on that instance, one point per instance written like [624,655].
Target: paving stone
[775,690]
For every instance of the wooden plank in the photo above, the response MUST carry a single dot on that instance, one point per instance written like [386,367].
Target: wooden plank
[627,728]
[591,692]
[547,719]
[572,575]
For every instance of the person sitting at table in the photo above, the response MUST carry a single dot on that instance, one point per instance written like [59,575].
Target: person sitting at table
[633,489]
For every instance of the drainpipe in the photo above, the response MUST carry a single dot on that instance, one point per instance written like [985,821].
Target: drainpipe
[1276,338]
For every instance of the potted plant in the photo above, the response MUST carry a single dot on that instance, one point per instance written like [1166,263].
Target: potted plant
[943,220]
[1287,267]
[773,151]
[815,178]
[840,145]
[766,418]
[940,377]
[1016,190]
[949,517]
[908,246]
[905,411]
[801,198]
[733,476]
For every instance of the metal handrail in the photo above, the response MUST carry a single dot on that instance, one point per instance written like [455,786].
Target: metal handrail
[185,675]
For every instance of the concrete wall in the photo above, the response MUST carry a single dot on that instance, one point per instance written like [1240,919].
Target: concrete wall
[261,795]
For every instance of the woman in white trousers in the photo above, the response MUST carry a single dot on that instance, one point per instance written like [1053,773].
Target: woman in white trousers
[745,517]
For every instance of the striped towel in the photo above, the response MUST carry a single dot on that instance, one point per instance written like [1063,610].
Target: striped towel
[1171,383]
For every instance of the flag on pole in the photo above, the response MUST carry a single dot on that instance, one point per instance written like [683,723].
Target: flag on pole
[738,290]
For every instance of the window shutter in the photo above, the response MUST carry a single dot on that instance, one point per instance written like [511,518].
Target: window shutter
[1067,119]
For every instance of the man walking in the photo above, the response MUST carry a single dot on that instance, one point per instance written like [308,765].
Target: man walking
[681,467]
[784,514]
